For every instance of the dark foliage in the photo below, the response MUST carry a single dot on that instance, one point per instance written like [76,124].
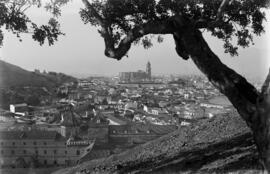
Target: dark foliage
[14,19]
[240,21]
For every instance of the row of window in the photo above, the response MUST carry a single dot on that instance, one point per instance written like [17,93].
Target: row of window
[24,143]
[37,152]
[54,162]
[125,132]
[45,162]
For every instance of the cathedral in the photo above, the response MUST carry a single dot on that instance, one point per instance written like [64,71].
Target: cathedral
[138,76]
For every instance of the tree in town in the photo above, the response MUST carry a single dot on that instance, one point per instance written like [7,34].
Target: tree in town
[122,23]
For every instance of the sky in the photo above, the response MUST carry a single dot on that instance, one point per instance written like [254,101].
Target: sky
[81,51]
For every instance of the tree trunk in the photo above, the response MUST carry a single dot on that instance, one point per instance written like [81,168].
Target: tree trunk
[253,108]
[261,130]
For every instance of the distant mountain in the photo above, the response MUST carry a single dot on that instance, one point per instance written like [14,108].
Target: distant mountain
[14,76]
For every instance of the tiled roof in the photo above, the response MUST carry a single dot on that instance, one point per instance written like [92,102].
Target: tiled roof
[20,105]
[33,134]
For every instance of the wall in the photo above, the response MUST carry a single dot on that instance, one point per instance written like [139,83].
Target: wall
[46,151]
[100,133]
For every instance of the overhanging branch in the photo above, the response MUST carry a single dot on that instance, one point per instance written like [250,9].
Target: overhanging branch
[117,51]
[152,27]
[94,12]
[221,9]
[239,91]
[266,85]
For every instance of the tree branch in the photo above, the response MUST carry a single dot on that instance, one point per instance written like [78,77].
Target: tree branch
[152,27]
[241,93]
[117,51]
[221,9]
[266,85]
[94,12]
[201,23]
[167,26]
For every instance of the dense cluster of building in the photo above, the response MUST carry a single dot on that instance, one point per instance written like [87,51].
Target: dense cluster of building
[96,118]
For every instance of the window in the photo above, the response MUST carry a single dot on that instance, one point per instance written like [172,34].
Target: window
[2,143]
[65,152]
[45,162]
[45,151]
[12,152]
[36,151]
[55,162]
[45,143]
[24,151]
[55,151]
[13,143]
[24,143]
[2,152]
[35,143]
[78,152]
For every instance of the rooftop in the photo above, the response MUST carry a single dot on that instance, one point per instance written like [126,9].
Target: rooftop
[32,134]
[19,105]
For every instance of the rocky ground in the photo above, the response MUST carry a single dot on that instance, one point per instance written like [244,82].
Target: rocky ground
[222,144]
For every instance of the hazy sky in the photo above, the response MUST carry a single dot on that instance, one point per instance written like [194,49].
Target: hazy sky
[81,51]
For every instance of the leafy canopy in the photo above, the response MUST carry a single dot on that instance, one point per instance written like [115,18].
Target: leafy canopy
[241,19]
[14,19]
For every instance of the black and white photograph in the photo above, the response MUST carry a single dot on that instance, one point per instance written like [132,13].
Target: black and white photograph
[135,86]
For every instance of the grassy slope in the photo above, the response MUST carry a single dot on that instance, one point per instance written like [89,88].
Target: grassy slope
[14,76]
[222,144]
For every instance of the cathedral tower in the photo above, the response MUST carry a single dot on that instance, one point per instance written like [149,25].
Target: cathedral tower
[148,69]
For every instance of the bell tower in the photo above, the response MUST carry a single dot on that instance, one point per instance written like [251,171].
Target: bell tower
[148,69]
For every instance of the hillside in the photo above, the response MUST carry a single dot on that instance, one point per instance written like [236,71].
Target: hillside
[220,145]
[14,76]
[21,86]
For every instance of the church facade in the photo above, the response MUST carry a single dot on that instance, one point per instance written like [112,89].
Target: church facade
[136,76]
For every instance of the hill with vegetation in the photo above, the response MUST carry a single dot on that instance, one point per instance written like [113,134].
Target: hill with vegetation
[21,86]
[14,76]
[222,144]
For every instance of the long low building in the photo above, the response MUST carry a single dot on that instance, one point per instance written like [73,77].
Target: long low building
[39,148]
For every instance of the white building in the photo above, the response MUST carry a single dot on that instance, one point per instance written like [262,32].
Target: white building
[20,109]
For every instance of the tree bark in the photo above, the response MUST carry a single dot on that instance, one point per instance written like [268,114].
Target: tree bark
[252,107]
[262,131]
